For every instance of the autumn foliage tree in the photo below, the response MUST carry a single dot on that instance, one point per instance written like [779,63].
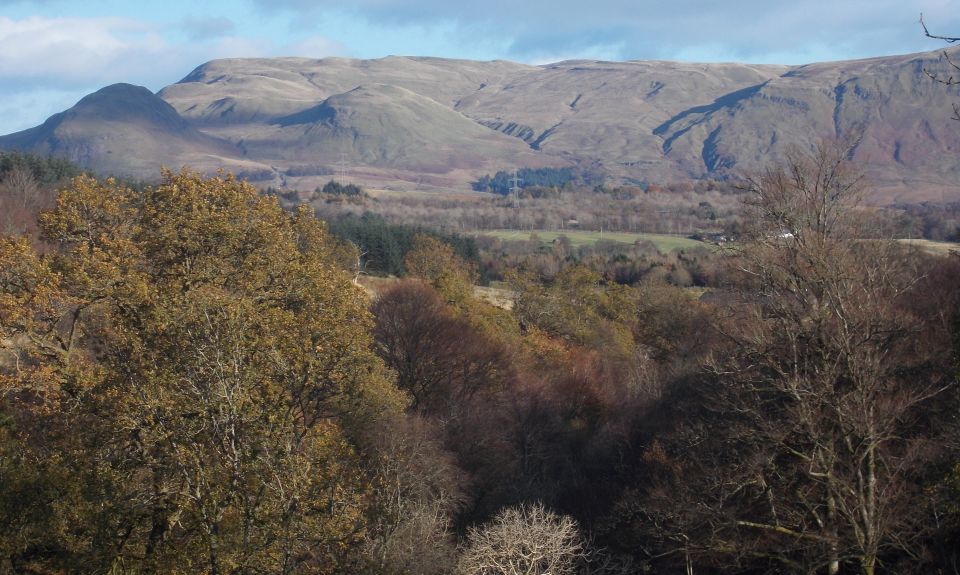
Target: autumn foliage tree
[436,262]
[185,379]
[440,359]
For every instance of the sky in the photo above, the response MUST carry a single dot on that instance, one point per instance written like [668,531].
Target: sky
[53,52]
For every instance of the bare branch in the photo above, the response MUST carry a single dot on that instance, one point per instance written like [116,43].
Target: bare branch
[926,32]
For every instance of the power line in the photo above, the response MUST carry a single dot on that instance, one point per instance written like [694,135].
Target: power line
[515,182]
[342,169]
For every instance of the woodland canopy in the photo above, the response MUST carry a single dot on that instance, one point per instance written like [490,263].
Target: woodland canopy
[192,380]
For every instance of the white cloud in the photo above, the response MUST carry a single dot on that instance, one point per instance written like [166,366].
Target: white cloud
[95,51]
[47,64]
[71,49]
[746,29]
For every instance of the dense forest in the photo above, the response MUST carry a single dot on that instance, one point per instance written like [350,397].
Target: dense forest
[194,380]
[383,247]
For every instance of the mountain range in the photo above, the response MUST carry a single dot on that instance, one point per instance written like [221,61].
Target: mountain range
[418,123]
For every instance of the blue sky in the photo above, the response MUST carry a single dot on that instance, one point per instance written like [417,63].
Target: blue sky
[54,52]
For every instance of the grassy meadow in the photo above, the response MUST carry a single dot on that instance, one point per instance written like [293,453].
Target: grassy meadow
[938,248]
[663,242]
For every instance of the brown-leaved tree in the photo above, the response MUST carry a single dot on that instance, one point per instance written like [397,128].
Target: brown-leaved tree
[184,378]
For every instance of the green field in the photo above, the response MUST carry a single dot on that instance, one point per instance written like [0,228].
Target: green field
[663,242]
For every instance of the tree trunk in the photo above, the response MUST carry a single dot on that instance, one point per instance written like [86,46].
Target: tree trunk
[158,525]
[214,551]
[833,567]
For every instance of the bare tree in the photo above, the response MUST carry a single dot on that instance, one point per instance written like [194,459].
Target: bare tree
[526,540]
[818,405]
[20,199]
[419,492]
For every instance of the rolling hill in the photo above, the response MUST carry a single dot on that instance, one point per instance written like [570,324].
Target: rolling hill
[429,122]
[125,130]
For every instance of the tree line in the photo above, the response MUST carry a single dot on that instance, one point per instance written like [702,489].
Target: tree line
[502,182]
